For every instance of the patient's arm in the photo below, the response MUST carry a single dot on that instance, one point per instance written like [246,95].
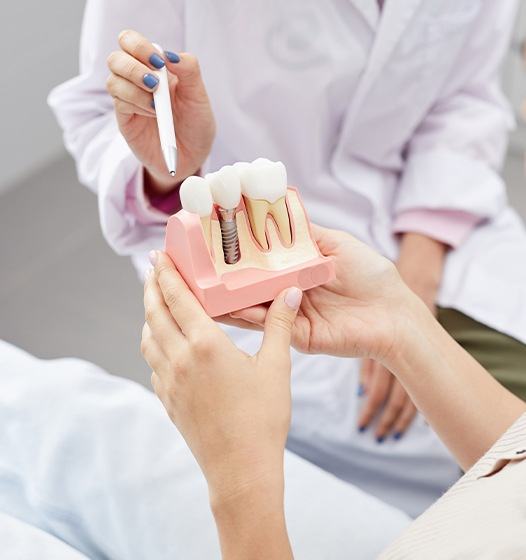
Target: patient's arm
[367,311]
[464,404]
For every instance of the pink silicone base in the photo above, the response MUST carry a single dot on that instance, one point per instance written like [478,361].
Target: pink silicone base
[186,245]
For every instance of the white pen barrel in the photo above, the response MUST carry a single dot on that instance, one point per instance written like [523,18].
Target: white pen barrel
[165,121]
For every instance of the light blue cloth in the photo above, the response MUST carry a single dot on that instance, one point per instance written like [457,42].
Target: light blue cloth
[93,460]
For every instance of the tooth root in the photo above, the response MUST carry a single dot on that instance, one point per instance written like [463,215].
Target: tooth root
[257,214]
[278,210]
[207,231]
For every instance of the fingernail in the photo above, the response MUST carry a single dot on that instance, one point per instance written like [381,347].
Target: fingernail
[150,81]
[293,298]
[156,61]
[154,257]
[361,390]
[397,435]
[380,439]
[362,429]
[172,57]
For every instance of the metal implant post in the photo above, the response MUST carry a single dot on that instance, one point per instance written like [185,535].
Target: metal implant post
[229,236]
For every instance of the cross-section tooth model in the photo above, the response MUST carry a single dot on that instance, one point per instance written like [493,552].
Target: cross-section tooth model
[264,187]
[226,192]
[254,246]
[196,198]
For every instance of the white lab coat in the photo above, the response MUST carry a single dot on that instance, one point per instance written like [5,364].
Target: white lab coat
[372,117]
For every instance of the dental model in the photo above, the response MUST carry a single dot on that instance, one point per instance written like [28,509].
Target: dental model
[264,235]
[226,192]
[264,188]
[196,198]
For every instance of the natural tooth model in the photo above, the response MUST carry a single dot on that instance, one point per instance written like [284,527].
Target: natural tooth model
[196,198]
[264,187]
[226,192]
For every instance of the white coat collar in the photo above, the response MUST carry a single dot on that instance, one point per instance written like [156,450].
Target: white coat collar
[369,10]
[396,16]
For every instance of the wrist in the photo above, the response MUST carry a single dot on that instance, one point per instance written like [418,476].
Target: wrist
[415,321]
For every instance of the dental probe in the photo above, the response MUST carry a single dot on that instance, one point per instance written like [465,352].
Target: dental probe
[165,120]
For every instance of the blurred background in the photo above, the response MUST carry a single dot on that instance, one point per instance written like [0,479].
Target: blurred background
[63,292]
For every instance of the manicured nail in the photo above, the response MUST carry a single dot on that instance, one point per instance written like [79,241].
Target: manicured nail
[154,257]
[397,435]
[293,298]
[361,390]
[380,439]
[150,81]
[362,429]
[172,57]
[156,61]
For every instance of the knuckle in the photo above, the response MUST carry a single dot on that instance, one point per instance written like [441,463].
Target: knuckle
[112,59]
[172,297]
[281,320]
[145,346]
[201,345]
[149,315]
[110,82]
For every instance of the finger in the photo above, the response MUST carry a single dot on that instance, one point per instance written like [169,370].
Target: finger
[140,48]
[124,65]
[280,322]
[159,319]
[126,91]
[151,350]
[240,323]
[377,392]
[392,411]
[186,67]
[405,419]
[365,373]
[256,315]
[125,108]
[183,305]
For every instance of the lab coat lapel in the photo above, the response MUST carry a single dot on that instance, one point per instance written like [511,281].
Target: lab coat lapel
[396,16]
[369,10]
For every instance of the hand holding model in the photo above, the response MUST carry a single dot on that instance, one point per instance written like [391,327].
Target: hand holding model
[234,410]
[131,83]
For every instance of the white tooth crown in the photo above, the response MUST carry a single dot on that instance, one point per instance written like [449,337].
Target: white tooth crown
[264,180]
[196,196]
[225,187]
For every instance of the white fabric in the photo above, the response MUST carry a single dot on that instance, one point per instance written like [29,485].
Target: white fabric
[372,116]
[21,541]
[94,460]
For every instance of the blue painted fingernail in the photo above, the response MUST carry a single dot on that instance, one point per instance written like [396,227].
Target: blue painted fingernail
[361,390]
[380,439]
[156,61]
[362,429]
[172,57]
[397,435]
[150,81]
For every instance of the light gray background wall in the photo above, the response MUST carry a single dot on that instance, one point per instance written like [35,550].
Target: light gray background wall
[39,40]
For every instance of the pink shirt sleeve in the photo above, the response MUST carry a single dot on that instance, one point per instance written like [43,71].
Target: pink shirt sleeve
[149,210]
[451,227]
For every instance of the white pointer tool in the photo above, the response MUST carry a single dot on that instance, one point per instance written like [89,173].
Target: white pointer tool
[165,119]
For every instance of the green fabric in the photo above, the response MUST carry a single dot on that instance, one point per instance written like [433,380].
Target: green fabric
[503,356]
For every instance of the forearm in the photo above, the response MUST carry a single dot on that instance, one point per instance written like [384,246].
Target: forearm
[463,403]
[251,524]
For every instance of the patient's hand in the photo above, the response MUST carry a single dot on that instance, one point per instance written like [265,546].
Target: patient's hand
[357,314]
[232,409]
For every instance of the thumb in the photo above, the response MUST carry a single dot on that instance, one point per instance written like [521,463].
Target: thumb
[280,321]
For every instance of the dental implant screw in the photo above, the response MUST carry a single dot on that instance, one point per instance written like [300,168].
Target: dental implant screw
[229,235]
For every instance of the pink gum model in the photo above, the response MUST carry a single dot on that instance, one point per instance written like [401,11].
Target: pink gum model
[243,287]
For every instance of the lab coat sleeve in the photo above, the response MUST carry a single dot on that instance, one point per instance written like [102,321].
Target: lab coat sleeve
[84,110]
[455,155]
